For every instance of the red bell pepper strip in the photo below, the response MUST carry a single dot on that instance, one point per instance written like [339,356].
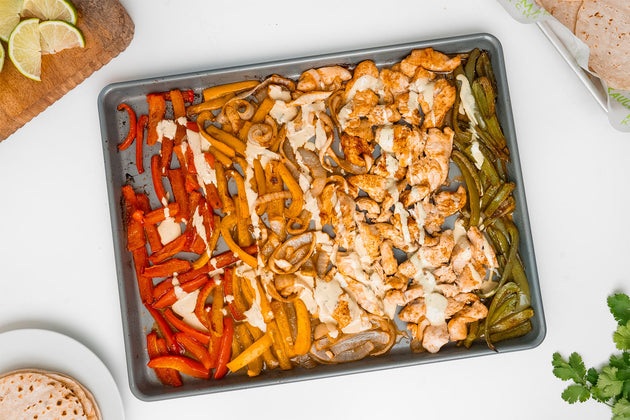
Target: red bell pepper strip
[228,282]
[145,284]
[166,376]
[200,306]
[169,250]
[131,135]
[140,126]
[192,126]
[195,348]
[187,95]
[175,376]
[191,183]
[157,109]
[213,197]
[198,245]
[226,348]
[153,236]
[165,330]
[202,337]
[209,157]
[178,185]
[208,219]
[179,152]
[167,268]
[190,161]
[156,176]
[185,365]
[228,257]
[170,297]
[166,154]
[159,215]
[135,232]
[183,278]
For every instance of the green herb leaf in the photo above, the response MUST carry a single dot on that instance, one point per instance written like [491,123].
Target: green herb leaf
[608,385]
[573,369]
[620,362]
[621,410]
[575,393]
[592,375]
[621,337]
[619,305]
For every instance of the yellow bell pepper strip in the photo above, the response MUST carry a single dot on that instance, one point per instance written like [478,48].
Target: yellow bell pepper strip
[226,138]
[195,348]
[226,349]
[166,376]
[222,90]
[227,224]
[140,126]
[278,345]
[297,197]
[157,110]
[303,336]
[220,156]
[251,353]
[243,339]
[283,327]
[131,134]
[209,105]
[222,189]
[170,296]
[182,364]
[216,313]
[220,146]
[201,336]
[261,186]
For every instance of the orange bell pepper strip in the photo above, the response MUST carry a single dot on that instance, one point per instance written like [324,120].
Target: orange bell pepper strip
[226,348]
[230,294]
[183,364]
[179,107]
[165,330]
[170,297]
[251,353]
[297,196]
[159,215]
[167,268]
[195,348]
[214,349]
[303,336]
[178,185]
[201,336]
[145,284]
[255,363]
[166,154]
[191,183]
[216,313]
[200,305]
[213,197]
[198,246]
[140,126]
[131,134]
[187,95]
[227,139]
[157,110]
[175,376]
[156,176]
[153,237]
[166,376]
[169,250]
[283,327]
[135,232]
[178,149]
[228,88]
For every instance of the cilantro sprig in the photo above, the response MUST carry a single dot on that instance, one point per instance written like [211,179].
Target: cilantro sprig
[611,384]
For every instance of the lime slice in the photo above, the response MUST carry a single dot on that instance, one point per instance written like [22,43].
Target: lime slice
[50,10]
[24,48]
[1,57]
[9,17]
[57,35]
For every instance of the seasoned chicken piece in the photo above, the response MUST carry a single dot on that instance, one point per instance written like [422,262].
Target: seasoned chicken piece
[375,186]
[443,99]
[458,325]
[388,260]
[394,82]
[323,78]
[400,298]
[435,336]
[444,274]
[439,254]
[408,144]
[388,231]
[343,217]
[469,279]
[420,79]
[341,313]
[429,59]
[409,107]
[368,205]
[414,195]
[461,256]
[383,114]
[432,169]
[433,219]
[362,103]
[360,128]
[413,311]
[355,148]
[364,77]
[450,202]
[448,289]
[370,238]
[396,282]
[482,251]
[365,297]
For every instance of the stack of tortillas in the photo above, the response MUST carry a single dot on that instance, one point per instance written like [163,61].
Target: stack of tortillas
[41,395]
[603,25]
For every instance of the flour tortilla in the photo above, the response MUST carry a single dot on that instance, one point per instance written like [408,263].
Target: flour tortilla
[565,11]
[604,25]
[41,395]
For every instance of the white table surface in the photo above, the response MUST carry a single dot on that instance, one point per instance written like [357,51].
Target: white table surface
[56,254]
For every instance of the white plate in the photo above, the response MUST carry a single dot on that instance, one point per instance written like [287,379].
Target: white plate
[48,350]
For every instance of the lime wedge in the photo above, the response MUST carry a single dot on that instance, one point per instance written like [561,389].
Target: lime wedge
[1,57]
[9,17]
[50,10]
[57,35]
[24,48]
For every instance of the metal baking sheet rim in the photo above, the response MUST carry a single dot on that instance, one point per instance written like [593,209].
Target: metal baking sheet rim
[142,382]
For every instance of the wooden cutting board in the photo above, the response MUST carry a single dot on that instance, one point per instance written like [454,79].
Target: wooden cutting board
[108,30]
